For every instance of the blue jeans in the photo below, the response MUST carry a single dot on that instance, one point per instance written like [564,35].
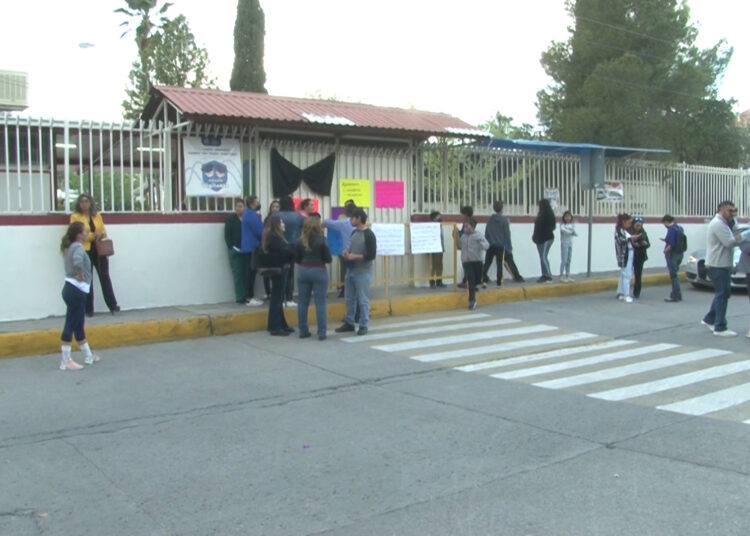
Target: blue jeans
[673,266]
[543,250]
[312,281]
[75,315]
[722,280]
[357,289]
[566,254]
[276,320]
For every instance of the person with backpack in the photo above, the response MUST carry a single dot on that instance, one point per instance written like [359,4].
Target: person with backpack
[675,245]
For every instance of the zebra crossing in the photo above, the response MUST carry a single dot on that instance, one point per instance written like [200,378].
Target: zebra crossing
[692,381]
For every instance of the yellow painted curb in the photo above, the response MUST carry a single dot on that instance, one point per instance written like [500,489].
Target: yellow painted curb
[165,330]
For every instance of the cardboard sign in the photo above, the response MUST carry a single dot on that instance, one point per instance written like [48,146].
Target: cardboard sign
[426,237]
[389,194]
[390,237]
[356,189]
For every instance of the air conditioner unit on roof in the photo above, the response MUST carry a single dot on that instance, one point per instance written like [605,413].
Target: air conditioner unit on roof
[13,86]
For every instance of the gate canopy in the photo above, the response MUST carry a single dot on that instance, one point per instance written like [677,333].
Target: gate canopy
[567,148]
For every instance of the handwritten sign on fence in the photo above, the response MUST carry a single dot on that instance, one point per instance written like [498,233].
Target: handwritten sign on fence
[390,237]
[425,238]
[355,189]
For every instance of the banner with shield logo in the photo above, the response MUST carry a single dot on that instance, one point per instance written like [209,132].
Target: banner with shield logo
[213,167]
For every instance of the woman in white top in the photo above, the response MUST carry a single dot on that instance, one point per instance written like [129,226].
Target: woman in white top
[624,252]
[74,293]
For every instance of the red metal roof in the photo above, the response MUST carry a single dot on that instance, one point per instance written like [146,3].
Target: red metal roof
[207,103]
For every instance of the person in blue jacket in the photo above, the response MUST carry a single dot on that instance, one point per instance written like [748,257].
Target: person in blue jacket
[252,231]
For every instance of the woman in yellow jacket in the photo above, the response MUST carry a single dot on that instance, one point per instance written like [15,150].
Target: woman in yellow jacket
[86,213]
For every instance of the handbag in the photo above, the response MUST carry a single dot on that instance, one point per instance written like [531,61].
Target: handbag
[105,247]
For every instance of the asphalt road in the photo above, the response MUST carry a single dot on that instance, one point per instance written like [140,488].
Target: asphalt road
[385,434]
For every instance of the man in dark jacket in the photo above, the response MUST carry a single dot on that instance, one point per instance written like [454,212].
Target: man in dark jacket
[233,240]
[497,233]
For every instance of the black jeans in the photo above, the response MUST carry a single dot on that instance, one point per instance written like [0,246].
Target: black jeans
[638,273]
[496,253]
[276,320]
[473,273]
[101,264]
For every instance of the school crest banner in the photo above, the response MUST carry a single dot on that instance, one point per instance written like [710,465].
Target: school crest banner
[213,167]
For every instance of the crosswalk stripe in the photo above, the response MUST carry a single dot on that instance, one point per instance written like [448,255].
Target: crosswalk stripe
[434,329]
[628,370]
[500,348]
[430,321]
[561,352]
[718,400]
[657,386]
[463,338]
[556,367]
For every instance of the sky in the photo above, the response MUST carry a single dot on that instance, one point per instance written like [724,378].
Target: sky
[469,59]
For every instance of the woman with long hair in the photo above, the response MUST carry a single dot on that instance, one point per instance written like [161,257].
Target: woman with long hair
[85,212]
[276,256]
[74,292]
[544,236]
[624,252]
[312,255]
[272,209]
[640,255]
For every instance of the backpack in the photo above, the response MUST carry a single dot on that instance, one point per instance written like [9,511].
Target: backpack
[681,244]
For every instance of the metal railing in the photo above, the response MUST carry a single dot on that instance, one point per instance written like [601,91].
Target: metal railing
[46,163]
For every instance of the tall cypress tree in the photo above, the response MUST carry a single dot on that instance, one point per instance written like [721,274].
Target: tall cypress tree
[249,29]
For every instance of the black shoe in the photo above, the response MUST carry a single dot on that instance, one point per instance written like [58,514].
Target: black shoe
[280,333]
[542,280]
[288,329]
[362,331]
[321,337]
[341,293]
[432,283]
[305,335]
[519,279]
[344,328]
[440,284]
[90,314]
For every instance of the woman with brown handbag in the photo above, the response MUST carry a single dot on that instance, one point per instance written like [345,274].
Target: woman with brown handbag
[86,213]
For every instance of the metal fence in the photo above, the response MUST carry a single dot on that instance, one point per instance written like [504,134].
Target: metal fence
[46,163]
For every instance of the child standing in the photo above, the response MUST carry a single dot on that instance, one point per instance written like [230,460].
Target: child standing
[472,245]
[567,232]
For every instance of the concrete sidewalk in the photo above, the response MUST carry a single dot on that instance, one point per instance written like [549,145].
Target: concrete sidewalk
[142,326]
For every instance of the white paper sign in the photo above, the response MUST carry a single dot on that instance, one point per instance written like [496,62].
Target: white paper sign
[213,167]
[425,238]
[390,237]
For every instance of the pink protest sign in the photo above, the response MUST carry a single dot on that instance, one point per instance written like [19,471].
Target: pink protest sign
[389,194]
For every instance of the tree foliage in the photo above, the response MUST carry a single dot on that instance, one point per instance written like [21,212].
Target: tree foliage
[630,74]
[501,126]
[173,59]
[248,73]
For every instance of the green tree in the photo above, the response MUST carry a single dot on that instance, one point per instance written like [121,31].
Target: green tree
[501,126]
[631,75]
[173,59]
[249,30]
[140,11]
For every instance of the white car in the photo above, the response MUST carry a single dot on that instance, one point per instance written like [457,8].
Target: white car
[695,269]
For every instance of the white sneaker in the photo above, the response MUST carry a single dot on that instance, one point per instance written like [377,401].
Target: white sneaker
[254,302]
[570,279]
[725,333]
[709,326]
[620,297]
[628,299]
[93,358]
[290,304]
[747,334]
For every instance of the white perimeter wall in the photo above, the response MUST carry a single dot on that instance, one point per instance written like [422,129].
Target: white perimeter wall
[159,265]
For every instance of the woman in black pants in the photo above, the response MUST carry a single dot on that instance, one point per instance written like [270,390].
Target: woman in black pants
[276,255]
[640,256]
[86,213]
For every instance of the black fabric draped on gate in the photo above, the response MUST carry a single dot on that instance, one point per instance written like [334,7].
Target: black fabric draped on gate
[286,177]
